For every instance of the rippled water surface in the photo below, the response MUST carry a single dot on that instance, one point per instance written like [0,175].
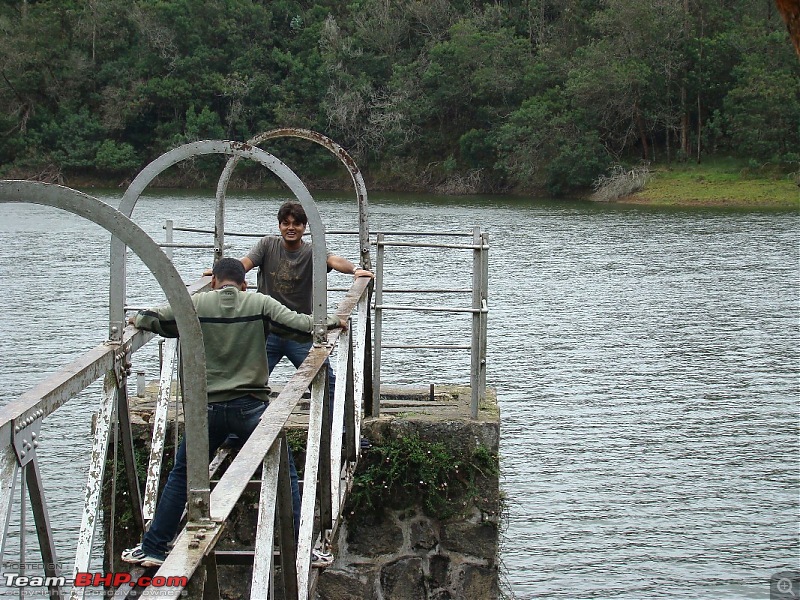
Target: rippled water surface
[646,363]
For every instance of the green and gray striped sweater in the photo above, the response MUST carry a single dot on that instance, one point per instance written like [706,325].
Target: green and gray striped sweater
[235,325]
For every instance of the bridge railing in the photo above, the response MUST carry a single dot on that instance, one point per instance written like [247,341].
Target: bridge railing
[325,460]
[478,246]
[329,466]
[20,421]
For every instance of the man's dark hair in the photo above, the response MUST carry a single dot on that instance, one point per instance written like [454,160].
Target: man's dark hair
[229,269]
[292,209]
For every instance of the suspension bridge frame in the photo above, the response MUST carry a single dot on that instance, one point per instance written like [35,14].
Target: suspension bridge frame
[113,358]
[26,413]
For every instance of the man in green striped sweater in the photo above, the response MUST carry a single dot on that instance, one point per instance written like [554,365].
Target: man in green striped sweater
[235,325]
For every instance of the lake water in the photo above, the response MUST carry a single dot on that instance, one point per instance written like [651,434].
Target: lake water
[647,365]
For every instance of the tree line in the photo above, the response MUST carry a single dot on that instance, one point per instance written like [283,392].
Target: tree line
[449,95]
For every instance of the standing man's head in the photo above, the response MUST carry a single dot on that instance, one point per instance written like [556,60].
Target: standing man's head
[228,271]
[292,221]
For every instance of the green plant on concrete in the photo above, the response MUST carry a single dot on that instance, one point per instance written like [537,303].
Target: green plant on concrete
[118,503]
[115,486]
[297,440]
[409,469]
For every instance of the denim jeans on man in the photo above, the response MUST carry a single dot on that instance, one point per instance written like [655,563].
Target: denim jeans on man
[239,417]
[296,352]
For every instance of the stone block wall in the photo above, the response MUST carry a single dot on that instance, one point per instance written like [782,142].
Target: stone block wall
[399,552]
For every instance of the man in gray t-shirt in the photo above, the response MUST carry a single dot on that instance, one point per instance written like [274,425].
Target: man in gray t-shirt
[282,273]
[285,272]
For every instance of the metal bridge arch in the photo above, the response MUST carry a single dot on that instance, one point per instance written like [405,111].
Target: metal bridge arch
[133,236]
[238,150]
[153,257]
[325,142]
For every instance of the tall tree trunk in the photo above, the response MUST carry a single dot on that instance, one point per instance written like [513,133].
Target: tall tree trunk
[700,87]
[642,132]
[669,143]
[684,131]
[790,11]
[699,128]
[684,141]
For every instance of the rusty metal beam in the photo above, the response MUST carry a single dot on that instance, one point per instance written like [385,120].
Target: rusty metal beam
[9,468]
[286,531]
[159,428]
[342,415]
[44,532]
[340,153]
[265,528]
[362,370]
[364,373]
[352,441]
[475,246]
[324,457]
[129,455]
[94,483]
[376,358]
[305,538]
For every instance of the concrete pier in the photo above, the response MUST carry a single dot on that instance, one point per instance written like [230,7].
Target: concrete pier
[425,526]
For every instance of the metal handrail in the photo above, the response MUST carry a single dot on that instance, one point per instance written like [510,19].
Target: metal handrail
[261,446]
[24,416]
[478,310]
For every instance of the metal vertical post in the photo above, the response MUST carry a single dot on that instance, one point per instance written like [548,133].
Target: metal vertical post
[360,368]
[22,525]
[94,483]
[141,384]
[195,424]
[350,421]
[376,364]
[9,468]
[477,287]
[168,237]
[310,473]
[219,222]
[160,419]
[365,353]
[484,312]
[268,499]
[129,454]
[324,483]
[286,531]
[43,529]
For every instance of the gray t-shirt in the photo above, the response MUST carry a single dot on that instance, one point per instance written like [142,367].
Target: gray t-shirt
[286,276]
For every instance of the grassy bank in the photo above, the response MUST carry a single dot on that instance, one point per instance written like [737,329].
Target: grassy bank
[720,183]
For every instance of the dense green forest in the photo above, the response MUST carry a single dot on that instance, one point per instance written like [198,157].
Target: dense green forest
[446,95]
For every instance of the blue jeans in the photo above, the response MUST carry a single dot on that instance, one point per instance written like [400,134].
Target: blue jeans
[239,417]
[296,352]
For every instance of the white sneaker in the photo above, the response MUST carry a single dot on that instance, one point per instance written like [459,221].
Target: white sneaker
[137,556]
[320,559]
